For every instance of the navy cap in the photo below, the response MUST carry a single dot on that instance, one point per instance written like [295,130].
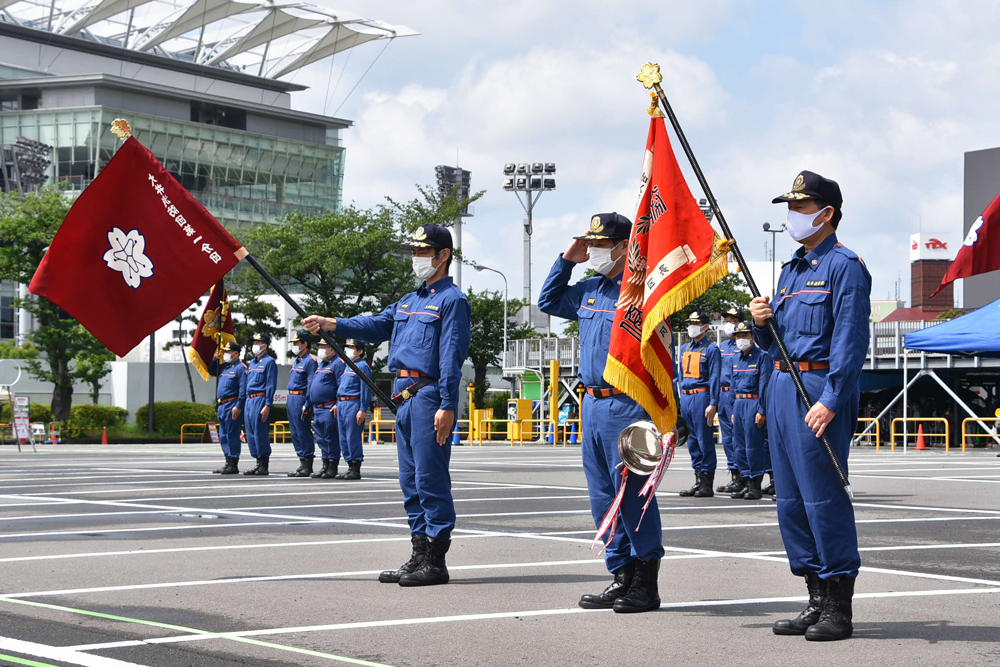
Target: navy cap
[230,346]
[743,327]
[353,342]
[808,185]
[301,337]
[734,312]
[262,337]
[699,317]
[430,236]
[607,226]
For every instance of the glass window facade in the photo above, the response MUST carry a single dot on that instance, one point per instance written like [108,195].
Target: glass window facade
[242,178]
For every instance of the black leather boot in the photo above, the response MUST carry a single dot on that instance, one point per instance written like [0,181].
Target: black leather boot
[705,490]
[261,469]
[810,615]
[420,546]
[318,474]
[739,490]
[697,485]
[231,467]
[643,594]
[219,471]
[733,484]
[752,491]
[617,588]
[768,489]
[253,471]
[432,570]
[353,471]
[305,468]
[835,620]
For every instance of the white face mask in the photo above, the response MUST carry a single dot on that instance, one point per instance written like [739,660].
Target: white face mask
[728,328]
[423,267]
[744,344]
[600,260]
[321,354]
[694,330]
[351,351]
[257,349]
[800,225]
[229,357]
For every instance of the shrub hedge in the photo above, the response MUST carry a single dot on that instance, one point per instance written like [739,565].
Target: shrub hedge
[97,416]
[169,416]
[37,412]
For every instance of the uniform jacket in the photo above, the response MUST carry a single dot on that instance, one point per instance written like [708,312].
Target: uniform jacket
[701,366]
[262,376]
[232,381]
[751,372]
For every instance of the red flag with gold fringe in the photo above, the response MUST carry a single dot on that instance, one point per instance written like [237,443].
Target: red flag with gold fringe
[214,328]
[674,256]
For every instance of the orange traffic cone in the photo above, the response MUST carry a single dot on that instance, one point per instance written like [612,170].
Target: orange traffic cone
[920,437]
[104,436]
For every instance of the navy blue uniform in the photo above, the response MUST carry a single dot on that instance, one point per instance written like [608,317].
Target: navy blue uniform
[353,396]
[298,386]
[322,397]
[700,376]
[430,332]
[750,374]
[592,303]
[232,392]
[727,352]
[262,382]
[821,311]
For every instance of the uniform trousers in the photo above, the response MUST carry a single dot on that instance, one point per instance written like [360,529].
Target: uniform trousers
[301,428]
[749,440]
[229,429]
[726,429]
[258,432]
[325,424]
[603,421]
[423,463]
[350,430]
[815,515]
[701,441]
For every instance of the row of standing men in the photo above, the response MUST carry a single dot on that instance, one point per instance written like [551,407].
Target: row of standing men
[326,406]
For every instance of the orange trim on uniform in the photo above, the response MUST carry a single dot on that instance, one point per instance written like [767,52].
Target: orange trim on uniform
[804,291]
[747,395]
[418,312]
[597,310]
[694,391]
[603,392]
[403,373]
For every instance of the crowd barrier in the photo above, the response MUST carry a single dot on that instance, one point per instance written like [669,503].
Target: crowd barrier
[940,420]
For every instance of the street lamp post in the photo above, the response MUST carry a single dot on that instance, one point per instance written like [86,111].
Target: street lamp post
[531,178]
[773,233]
[480,268]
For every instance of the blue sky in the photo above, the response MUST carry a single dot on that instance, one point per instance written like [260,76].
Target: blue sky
[883,97]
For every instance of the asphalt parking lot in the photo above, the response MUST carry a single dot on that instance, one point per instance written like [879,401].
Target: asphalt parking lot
[138,555]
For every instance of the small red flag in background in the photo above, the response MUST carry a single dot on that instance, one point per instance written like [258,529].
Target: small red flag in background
[135,250]
[214,327]
[674,256]
[980,253]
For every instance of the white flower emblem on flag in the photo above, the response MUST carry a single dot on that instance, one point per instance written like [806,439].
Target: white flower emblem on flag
[126,256]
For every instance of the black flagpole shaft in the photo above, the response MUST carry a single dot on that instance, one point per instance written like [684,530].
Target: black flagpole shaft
[327,338]
[785,356]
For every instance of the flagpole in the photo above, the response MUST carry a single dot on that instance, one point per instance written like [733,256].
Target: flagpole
[650,77]
[327,338]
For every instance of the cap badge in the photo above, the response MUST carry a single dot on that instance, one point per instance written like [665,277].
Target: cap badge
[800,182]
[420,234]
[595,224]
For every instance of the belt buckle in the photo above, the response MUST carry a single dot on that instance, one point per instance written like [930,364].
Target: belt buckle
[406,394]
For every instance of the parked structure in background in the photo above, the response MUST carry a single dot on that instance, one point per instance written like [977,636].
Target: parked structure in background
[982,180]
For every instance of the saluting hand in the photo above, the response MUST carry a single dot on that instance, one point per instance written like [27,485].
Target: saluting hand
[315,322]
[444,421]
[577,252]
[760,309]
[818,418]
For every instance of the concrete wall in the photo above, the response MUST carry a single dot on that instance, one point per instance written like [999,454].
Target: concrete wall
[982,174]
[290,130]
[70,96]
[143,103]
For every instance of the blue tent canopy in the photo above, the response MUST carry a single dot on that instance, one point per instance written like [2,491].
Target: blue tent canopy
[975,334]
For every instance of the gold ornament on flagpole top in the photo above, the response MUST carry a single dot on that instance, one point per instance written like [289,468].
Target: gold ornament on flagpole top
[654,106]
[121,129]
[649,75]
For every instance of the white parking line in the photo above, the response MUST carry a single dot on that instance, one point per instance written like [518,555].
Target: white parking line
[70,655]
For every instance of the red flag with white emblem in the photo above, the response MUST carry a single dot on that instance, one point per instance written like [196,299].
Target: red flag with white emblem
[980,253]
[135,250]
[674,256]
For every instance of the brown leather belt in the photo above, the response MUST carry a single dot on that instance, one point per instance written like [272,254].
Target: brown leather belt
[724,388]
[694,391]
[255,394]
[747,395]
[296,392]
[803,366]
[603,392]
[223,401]
[323,405]
[403,373]
[347,398]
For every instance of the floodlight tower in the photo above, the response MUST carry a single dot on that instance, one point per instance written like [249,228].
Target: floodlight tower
[532,179]
[449,178]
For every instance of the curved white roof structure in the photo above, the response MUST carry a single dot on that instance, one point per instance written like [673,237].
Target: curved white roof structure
[269,38]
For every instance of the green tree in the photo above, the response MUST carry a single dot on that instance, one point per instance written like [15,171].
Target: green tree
[182,339]
[950,314]
[720,297]
[252,316]
[12,350]
[28,223]
[486,346]
[91,364]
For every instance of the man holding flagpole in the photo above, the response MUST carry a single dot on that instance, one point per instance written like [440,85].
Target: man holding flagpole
[632,554]
[821,311]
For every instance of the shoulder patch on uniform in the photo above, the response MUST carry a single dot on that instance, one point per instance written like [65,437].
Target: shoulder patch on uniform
[591,302]
[430,307]
[816,283]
